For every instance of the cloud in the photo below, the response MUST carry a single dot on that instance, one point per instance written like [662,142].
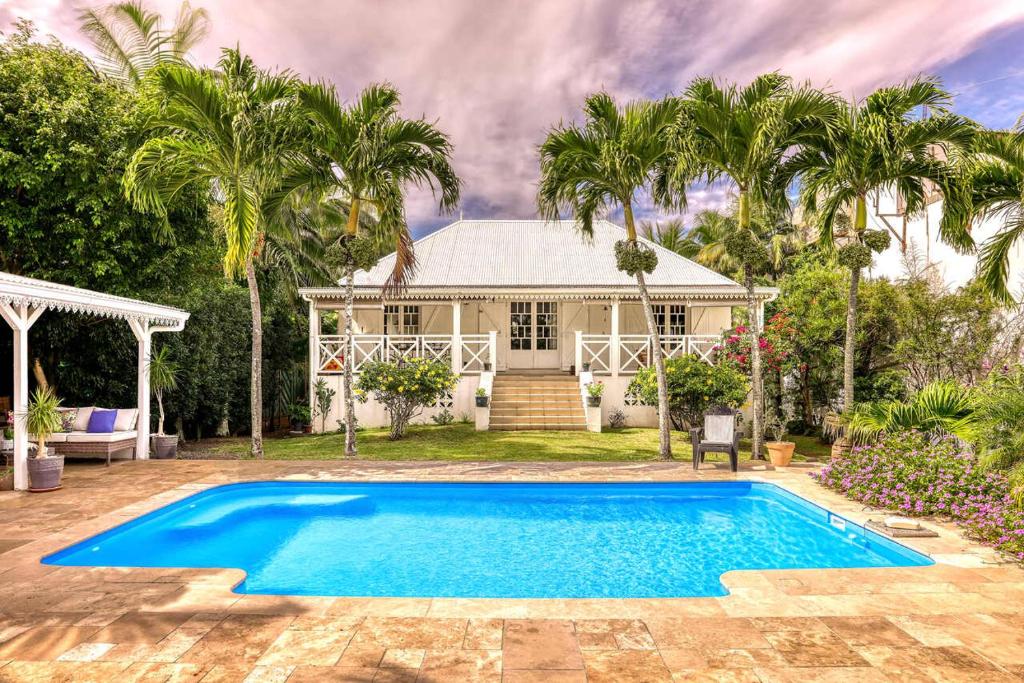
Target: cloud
[497,75]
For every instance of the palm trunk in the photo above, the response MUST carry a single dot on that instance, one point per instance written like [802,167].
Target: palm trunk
[256,387]
[351,231]
[756,389]
[160,406]
[350,402]
[664,419]
[860,224]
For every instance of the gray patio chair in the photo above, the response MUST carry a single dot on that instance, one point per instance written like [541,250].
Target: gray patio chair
[718,435]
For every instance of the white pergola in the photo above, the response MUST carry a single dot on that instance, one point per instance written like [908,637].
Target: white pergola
[23,300]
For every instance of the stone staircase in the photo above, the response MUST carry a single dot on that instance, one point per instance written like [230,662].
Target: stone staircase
[533,401]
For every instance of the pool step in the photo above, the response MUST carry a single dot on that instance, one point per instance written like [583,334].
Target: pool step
[535,401]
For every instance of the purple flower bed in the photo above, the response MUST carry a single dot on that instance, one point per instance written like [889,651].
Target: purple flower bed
[911,474]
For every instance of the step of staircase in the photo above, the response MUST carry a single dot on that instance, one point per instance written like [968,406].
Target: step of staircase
[536,402]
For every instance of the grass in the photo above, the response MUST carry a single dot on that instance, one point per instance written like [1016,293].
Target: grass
[463,442]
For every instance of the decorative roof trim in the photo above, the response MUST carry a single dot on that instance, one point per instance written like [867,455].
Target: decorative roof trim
[691,292]
[17,290]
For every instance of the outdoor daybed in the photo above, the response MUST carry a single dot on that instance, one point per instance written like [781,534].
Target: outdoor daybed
[80,442]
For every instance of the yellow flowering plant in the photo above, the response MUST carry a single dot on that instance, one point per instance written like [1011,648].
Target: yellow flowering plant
[405,387]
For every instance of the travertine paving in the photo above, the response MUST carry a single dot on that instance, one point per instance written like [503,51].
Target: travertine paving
[960,620]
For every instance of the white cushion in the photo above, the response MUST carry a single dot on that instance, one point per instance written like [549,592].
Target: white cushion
[82,419]
[125,420]
[719,428]
[112,437]
[58,437]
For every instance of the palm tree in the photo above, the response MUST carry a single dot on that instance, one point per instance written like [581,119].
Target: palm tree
[672,235]
[743,135]
[709,233]
[373,155]
[615,155]
[995,181]
[873,146]
[131,39]
[237,128]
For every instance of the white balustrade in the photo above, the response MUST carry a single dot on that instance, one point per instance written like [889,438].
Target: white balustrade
[476,349]
[634,350]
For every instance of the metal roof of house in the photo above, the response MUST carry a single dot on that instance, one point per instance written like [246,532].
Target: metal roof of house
[495,256]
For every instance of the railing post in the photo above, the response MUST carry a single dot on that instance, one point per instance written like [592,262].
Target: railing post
[492,345]
[579,352]
[314,349]
[457,337]
[614,346]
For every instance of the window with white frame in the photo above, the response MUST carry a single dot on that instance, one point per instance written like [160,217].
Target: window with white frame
[670,318]
[401,319]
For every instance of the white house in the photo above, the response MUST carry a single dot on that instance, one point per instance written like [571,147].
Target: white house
[524,308]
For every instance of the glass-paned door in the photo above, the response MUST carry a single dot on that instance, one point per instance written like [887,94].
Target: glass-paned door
[533,334]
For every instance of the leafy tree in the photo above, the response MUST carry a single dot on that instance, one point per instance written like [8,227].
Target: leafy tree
[694,386]
[743,135]
[236,129]
[405,387]
[131,39]
[876,145]
[1000,424]
[371,156]
[616,155]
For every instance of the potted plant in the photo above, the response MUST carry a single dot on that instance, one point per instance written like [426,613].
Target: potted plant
[586,367]
[42,419]
[7,443]
[163,376]
[780,452]
[301,418]
[481,397]
[487,366]
[594,392]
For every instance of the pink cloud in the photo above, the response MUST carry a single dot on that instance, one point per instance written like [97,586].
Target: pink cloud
[497,75]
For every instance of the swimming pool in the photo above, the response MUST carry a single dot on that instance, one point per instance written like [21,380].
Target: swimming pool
[489,540]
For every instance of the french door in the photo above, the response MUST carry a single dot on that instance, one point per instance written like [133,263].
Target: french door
[533,335]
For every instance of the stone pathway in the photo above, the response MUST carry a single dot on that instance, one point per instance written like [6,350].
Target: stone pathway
[960,620]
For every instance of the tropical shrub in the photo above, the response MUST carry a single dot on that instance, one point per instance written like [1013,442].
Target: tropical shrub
[1000,425]
[918,475]
[938,409]
[405,387]
[694,386]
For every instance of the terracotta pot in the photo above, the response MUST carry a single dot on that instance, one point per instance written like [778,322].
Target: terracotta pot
[780,453]
[44,473]
[165,446]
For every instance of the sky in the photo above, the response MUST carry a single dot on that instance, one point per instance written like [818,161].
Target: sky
[496,75]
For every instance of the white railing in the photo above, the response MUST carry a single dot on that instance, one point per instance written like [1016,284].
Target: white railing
[476,350]
[634,350]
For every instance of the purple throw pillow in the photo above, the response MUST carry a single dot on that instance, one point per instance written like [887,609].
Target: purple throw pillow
[101,422]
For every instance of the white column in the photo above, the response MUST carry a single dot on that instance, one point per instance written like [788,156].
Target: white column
[457,337]
[614,346]
[579,352]
[314,349]
[492,345]
[20,318]
[144,335]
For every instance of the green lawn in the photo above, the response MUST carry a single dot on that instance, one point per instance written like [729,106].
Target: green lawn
[462,442]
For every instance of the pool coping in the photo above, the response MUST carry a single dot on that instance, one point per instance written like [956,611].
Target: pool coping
[731,580]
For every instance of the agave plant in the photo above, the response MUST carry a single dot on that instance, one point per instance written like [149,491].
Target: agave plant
[940,408]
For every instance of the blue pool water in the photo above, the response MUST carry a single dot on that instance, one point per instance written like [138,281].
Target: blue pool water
[489,540]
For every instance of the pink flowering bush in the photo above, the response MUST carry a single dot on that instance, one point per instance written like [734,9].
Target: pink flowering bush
[918,476]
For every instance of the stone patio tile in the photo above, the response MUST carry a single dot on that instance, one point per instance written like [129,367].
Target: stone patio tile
[478,608]
[869,631]
[483,634]
[226,673]
[740,658]
[813,649]
[362,656]
[706,633]
[686,660]
[991,637]
[801,624]
[149,672]
[332,674]
[396,675]
[411,632]
[472,666]
[540,644]
[138,627]
[402,659]
[314,623]
[269,674]
[238,639]
[596,641]
[821,675]
[86,652]
[292,647]
[626,634]
[379,607]
[544,676]
[46,672]
[45,642]
[625,665]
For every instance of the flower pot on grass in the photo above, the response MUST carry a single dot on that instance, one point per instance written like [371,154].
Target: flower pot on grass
[780,453]
[165,446]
